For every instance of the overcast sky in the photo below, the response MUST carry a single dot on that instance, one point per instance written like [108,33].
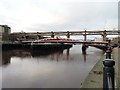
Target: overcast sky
[58,15]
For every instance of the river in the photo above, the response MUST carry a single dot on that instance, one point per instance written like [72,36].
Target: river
[63,69]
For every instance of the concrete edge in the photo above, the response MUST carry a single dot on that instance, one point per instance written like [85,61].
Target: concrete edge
[95,76]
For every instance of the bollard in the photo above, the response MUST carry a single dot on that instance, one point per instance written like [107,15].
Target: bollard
[108,74]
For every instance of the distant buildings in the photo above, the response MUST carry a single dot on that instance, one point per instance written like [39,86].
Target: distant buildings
[5,31]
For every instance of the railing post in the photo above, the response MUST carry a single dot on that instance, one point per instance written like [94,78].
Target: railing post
[108,74]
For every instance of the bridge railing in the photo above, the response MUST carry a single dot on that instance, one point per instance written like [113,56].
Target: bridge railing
[108,72]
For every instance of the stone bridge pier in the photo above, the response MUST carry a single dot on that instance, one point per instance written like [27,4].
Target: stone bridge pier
[52,34]
[104,35]
[68,34]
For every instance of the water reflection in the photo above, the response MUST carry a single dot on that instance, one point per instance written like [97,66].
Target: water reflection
[68,53]
[37,53]
[54,54]
[66,68]
[84,55]
[6,55]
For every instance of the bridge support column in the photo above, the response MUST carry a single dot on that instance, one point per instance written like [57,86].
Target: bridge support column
[68,34]
[37,37]
[85,36]
[104,35]
[52,34]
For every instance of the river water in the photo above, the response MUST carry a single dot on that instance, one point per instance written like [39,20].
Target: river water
[63,69]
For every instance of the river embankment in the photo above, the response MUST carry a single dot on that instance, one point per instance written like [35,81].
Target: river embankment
[116,53]
[95,77]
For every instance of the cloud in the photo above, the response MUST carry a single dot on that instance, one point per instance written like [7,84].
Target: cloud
[57,15]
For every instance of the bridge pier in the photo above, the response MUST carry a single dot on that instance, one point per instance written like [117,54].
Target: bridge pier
[68,34]
[104,35]
[52,34]
[85,36]
[38,36]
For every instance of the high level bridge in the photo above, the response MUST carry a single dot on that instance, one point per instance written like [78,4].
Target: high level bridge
[84,33]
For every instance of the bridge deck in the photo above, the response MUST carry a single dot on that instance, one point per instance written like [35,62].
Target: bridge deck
[90,32]
[63,40]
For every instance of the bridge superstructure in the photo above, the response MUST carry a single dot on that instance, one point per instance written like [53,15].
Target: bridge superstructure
[84,33]
[67,40]
[99,44]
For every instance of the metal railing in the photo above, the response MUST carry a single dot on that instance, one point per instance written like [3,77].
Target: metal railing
[108,72]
